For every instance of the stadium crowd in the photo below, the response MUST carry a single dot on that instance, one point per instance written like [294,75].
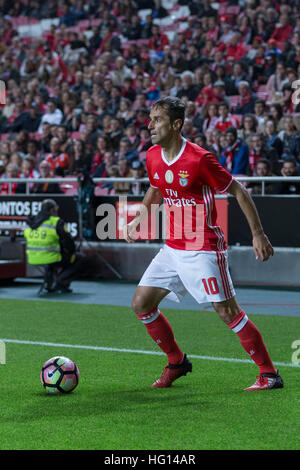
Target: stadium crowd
[78,95]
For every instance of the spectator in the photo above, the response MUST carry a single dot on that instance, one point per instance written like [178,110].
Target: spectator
[192,114]
[126,151]
[225,119]
[103,145]
[188,88]
[269,66]
[262,28]
[80,160]
[124,172]
[246,99]
[28,120]
[57,160]
[120,72]
[16,159]
[132,135]
[248,128]
[138,171]
[145,140]
[290,138]
[259,150]
[134,30]
[102,170]
[53,115]
[283,29]
[200,139]
[276,113]
[65,141]
[92,128]
[32,151]
[235,49]
[27,171]
[115,133]
[210,116]
[158,40]
[272,139]
[235,157]
[289,168]
[146,32]
[276,82]
[260,113]
[158,11]
[11,171]
[46,188]
[219,91]
[165,78]
[262,168]
[262,67]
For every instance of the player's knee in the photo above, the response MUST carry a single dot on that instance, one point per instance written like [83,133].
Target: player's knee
[226,310]
[140,304]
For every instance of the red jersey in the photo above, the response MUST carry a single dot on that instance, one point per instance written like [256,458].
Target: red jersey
[188,184]
[62,160]
[231,121]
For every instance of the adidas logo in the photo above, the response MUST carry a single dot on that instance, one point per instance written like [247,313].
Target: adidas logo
[156,177]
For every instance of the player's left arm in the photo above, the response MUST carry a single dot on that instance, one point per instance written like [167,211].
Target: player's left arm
[261,244]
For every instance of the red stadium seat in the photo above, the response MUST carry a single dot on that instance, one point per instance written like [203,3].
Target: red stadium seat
[83,24]
[95,21]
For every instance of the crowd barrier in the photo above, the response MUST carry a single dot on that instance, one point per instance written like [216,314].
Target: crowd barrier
[83,212]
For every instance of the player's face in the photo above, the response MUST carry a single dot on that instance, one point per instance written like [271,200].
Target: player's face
[160,126]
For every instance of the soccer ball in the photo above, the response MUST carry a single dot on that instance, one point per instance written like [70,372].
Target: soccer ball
[59,375]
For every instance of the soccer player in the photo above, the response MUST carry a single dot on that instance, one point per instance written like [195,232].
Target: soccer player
[194,257]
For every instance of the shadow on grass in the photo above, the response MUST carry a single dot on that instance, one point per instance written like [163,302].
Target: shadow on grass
[104,403]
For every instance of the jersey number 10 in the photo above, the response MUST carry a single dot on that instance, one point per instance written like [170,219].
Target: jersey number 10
[211,286]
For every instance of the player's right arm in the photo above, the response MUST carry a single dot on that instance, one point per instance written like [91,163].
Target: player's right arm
[152,196]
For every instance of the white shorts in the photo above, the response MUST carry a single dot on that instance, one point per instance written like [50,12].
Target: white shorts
[204,274]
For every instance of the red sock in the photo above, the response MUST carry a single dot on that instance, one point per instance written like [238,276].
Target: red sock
[161,332]
[252,342]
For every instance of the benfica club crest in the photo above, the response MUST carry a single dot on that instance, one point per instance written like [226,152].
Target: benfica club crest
[183,178]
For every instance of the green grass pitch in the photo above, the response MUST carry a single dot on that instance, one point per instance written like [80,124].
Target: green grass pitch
[114,406]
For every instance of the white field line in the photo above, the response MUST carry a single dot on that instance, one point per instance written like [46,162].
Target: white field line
[136,351]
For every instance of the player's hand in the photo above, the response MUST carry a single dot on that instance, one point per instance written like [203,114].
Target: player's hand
[129,231]
[262,247]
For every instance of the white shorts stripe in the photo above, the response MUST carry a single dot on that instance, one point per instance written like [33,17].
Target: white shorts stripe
[221,263]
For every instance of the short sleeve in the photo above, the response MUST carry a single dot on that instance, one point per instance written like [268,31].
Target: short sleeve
[213,174]
[149,171]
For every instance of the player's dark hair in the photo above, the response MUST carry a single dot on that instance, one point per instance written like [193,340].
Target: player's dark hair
[174,107]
